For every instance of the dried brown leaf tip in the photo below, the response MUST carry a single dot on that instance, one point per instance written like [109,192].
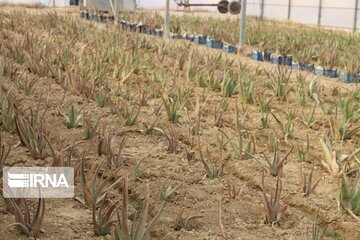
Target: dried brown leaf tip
[272,209]
[306,182]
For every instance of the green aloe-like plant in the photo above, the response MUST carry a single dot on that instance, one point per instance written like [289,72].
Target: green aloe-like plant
[277,163]
[287,127]
[7,115]
[90,128]
[30,226]
[306,182]
[317,233]
[173,108]
[166,192]
[350,195]
[94,191]
[182,222]
[101,98]
[332,162]
[229,85]
[103,217]
[246,89]
[303,153]
[4,153]
[172,137]
[216,170]
[117,159]
[280,82]
[140,227]
[301,90]
[130,116]
[73,118]
[308,118]
[32,138]
[272,208]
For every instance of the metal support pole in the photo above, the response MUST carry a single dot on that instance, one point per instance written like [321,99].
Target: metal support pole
[289,10]
[320,13]
[167,20]
[113,9]
[262,4]
[243,24]
[356,15]
[116,13]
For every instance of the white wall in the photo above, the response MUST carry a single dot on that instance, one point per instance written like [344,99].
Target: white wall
[59,3]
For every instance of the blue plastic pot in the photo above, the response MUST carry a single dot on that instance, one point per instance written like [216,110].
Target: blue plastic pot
[139,28]
[319,71]
[175,36]
[230,49]
[258,56]
[330,73]
[190,37]
[123,24]
[267,56]
[277,60]
[91,16]
[212,43]
[307,67]
[148,31]
[295,66]
[345,77]
[288,60]
[159,32]
[349,77]
[199,39]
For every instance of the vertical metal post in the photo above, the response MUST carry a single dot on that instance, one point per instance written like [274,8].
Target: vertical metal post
[116,12]
[113,8]
[262,4]
[356,15]
[243,24]
[167,20]
[320,13]
[289,10]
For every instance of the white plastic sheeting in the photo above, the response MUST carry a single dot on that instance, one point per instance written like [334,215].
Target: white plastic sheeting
[121,5]
[58,3]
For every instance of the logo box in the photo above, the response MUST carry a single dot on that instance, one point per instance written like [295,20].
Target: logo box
[36,182]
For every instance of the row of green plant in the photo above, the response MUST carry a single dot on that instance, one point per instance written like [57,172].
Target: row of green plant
[330,49]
